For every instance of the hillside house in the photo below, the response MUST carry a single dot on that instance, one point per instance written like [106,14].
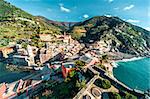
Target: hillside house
[4,52]
[45,55]
[45,37]
[64,38]
[24,57]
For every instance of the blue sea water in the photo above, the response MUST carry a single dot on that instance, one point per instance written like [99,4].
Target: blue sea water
[9,76]
[135,74]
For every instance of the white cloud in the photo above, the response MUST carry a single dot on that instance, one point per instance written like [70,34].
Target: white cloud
[64,9]
[133,21]
[108,15]
[85,16]
[147,28]
[128,7]
[110,1]
[124,19]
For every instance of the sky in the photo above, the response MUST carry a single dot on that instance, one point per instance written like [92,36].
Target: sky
[136,12]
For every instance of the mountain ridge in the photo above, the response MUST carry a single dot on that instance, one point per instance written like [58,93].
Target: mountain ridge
[119,35]
[64,25]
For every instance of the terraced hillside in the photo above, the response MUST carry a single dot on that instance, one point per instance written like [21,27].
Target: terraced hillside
[17,25]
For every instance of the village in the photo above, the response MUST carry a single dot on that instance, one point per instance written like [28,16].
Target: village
[58,62]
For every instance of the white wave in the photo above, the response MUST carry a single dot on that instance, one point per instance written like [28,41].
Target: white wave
[115,64]
[131,59]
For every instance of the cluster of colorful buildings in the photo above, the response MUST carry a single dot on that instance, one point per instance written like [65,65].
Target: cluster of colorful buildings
[63,46]
[102,46]
[51,58]
[55,71]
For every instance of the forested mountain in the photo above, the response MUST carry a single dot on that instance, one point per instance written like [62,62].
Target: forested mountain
[116,33]
[17,25]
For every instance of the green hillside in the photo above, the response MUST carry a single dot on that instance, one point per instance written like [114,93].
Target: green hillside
[8,11]
[17,25]
[118,34]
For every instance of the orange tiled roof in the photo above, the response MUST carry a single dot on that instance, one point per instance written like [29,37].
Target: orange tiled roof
[6,48]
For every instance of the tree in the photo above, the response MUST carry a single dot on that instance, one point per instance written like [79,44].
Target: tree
[61,90]
[38,30]
[129,96]
[72,73]
[24,45]
[79,63]
[103,83]
[114,95]
[80,84]
[104,58]
[102,66]
[106,84]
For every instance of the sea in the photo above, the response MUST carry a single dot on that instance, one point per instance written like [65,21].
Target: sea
[8,76]
[135,73]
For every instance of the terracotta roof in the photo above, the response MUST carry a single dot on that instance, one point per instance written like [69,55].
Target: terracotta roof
[6,48]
